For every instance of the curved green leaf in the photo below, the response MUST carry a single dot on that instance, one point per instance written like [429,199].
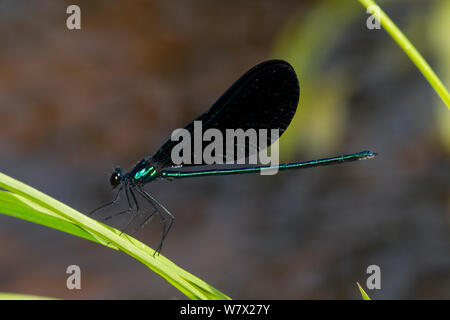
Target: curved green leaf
[24,202]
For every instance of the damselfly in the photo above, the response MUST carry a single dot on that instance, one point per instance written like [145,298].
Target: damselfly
[266,97]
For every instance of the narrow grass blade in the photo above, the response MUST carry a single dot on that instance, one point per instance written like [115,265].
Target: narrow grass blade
[363,293]
[16,296]
[24,202]
[410,50]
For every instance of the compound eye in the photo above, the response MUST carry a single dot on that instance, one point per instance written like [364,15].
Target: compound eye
[115,179]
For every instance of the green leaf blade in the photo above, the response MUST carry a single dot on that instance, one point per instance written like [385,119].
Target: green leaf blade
[363,293]
[24,202]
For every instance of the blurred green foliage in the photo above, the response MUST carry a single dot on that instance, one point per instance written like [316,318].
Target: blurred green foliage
[438,28]
[305,42]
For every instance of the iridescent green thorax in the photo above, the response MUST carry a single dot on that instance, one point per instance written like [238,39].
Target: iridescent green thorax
[146,174]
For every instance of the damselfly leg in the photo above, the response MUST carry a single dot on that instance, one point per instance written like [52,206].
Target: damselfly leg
[136,211]
[163,213]
[114,201]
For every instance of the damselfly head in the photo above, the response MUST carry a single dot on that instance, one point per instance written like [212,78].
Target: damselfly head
[116,177]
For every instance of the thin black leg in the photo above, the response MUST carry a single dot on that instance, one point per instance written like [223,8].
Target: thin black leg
[155,209]
[134,199]
[130,208]
[144,223]
[117,214]
[116,198]
[160,209]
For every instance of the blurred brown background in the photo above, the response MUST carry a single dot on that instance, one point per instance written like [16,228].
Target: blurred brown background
[74,104]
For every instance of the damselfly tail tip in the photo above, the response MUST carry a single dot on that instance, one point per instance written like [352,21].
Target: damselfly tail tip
[369,155]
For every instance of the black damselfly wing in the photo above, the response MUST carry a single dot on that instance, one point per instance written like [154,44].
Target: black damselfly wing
[266,97]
